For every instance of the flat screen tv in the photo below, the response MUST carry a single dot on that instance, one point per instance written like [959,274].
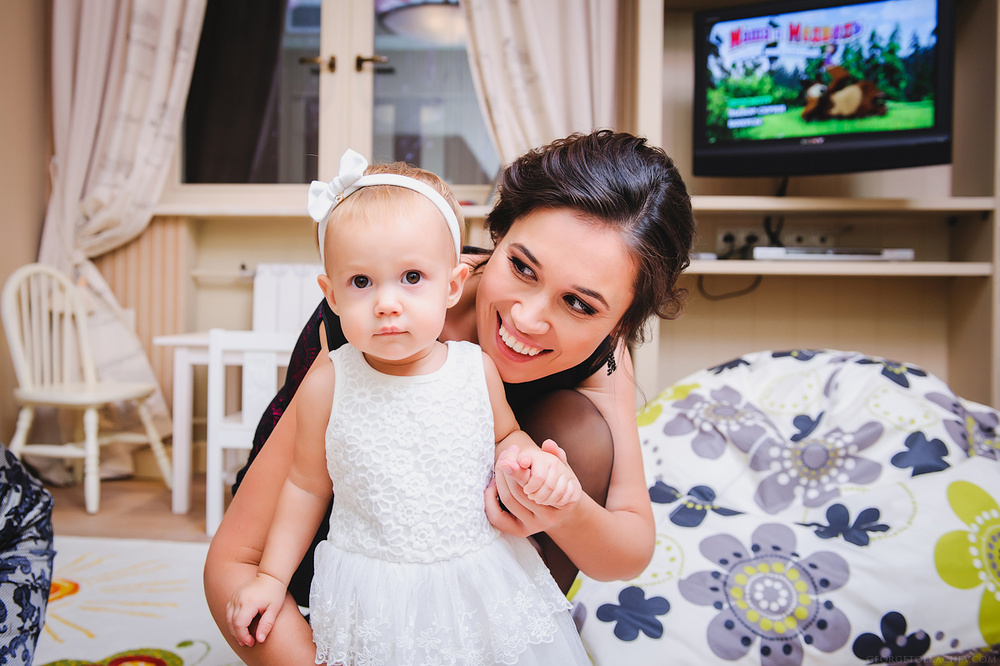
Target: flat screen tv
[822,86]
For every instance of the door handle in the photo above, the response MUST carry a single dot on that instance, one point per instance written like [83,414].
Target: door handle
[331,62]
[360,61]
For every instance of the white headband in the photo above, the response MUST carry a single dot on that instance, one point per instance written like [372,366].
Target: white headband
[324,197]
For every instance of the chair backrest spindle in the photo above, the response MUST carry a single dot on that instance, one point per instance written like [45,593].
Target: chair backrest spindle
[18,303]
[46,287]
[36,327]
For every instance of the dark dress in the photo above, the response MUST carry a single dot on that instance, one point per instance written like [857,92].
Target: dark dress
[307,348]
[25,559]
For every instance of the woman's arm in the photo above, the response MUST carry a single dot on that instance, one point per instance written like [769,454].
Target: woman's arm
[300,509]
[237,546]
[614,541]
[608,537]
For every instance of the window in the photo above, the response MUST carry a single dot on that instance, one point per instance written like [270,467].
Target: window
[280,90]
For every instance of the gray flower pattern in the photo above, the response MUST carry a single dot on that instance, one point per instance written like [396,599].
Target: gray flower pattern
[976,432]
[815,467]
[768,593]
[724,416]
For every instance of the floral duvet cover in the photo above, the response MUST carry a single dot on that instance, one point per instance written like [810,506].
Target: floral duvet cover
[812,507]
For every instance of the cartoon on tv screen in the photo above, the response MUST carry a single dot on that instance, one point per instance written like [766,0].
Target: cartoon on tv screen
[857,68]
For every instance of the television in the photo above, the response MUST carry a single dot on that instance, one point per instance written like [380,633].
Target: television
[822,86]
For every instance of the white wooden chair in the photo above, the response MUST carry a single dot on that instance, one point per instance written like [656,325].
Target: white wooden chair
[46,325]
[261,354]
[284,295]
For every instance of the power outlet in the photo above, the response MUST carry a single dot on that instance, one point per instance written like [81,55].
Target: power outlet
[737,243]
[808,238]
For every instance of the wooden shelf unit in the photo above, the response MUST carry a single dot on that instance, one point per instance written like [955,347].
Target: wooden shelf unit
[916,269]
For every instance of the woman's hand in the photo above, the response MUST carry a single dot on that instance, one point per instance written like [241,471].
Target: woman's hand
[523,517]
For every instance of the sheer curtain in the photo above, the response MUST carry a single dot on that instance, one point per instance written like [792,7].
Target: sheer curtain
[120,75]
[231,120]
[542,69]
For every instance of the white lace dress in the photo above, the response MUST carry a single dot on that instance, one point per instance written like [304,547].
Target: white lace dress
[412,572]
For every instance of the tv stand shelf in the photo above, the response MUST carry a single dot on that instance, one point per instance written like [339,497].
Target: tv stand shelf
[721,205]
[928,269]
[941,311]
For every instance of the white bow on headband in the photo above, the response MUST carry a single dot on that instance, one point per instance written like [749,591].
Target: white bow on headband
[324,197]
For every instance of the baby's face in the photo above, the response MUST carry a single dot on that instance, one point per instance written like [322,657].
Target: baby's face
[392,279]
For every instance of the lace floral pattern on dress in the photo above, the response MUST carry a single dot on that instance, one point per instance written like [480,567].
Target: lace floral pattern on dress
[404,491]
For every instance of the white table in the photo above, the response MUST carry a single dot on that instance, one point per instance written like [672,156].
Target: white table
[190,349]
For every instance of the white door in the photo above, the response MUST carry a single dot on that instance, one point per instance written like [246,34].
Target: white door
[388,78]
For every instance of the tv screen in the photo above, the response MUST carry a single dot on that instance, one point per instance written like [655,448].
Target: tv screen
[822,86]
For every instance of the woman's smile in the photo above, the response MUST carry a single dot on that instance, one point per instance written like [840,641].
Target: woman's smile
[514,343]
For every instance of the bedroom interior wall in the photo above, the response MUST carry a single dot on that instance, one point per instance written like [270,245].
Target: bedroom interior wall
[218,293]
[24,135]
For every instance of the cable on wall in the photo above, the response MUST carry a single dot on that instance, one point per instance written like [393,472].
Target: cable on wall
[732,294]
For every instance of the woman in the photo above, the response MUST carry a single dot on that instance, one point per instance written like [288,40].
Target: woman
[591,234]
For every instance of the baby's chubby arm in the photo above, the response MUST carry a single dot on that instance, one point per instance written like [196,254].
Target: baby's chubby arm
[301,506]
[542,473]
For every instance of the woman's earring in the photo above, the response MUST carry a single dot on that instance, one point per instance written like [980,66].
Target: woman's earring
[612,366]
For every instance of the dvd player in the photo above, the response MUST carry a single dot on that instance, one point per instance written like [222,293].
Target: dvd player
[833,254]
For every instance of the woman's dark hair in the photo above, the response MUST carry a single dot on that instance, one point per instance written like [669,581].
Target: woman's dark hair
[616,179]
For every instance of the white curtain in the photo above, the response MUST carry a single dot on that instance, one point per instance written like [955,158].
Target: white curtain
[542,68]
[120,76]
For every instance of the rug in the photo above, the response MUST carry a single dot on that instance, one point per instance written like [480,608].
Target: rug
[129,601]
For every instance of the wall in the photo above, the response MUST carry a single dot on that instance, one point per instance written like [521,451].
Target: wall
[24,135]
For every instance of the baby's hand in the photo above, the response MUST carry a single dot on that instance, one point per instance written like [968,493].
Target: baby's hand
[263,595]
[542,474]
[508,464]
